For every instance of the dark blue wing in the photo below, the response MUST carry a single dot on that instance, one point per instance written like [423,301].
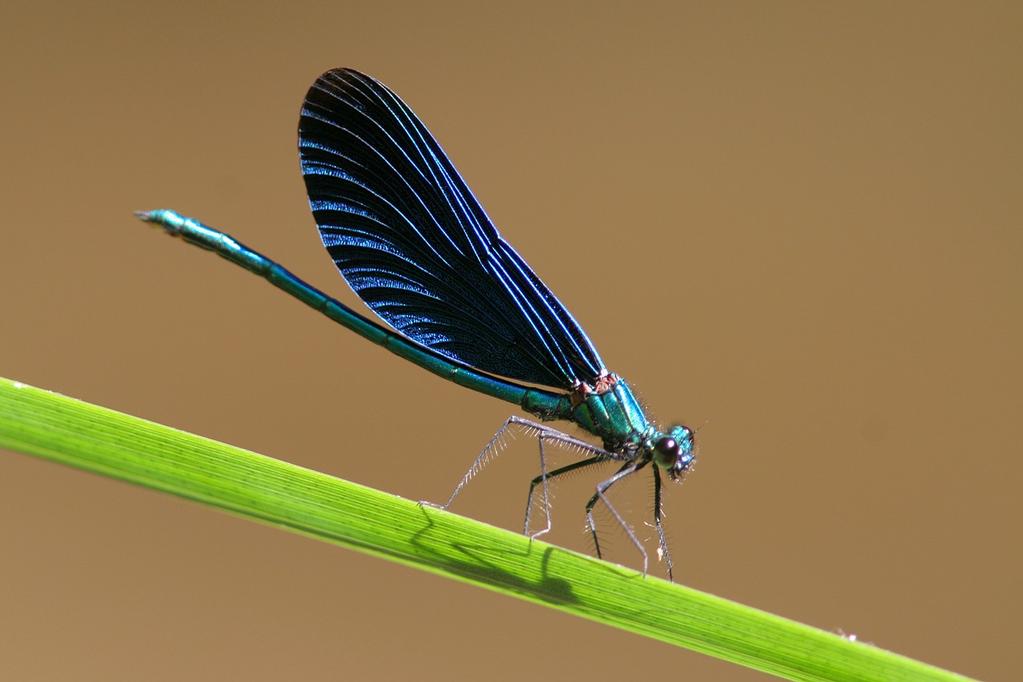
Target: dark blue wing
[411,239]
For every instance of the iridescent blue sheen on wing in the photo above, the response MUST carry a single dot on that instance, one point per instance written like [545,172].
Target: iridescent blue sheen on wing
[415,244]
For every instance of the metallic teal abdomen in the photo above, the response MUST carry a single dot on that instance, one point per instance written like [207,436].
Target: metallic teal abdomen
[615,416]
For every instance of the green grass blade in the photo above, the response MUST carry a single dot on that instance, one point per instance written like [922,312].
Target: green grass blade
[96,439]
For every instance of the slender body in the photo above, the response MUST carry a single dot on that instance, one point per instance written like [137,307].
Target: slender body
[544,404]
[411,239]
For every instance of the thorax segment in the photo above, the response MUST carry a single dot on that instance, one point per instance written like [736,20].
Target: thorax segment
[610,410]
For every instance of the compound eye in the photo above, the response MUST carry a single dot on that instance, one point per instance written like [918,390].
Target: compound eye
[667,447]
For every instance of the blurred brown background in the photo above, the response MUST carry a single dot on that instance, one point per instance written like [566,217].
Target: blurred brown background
[815,215]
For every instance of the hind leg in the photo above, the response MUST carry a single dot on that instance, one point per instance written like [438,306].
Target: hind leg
[496,443]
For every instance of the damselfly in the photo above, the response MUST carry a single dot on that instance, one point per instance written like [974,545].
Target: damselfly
[417,247]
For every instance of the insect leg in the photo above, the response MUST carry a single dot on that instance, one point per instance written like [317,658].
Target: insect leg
[627,469]
[494,445]
[544,478]
[662,540]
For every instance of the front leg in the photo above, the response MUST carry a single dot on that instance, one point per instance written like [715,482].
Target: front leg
[662,540]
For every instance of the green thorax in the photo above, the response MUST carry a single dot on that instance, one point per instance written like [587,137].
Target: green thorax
[614,414]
